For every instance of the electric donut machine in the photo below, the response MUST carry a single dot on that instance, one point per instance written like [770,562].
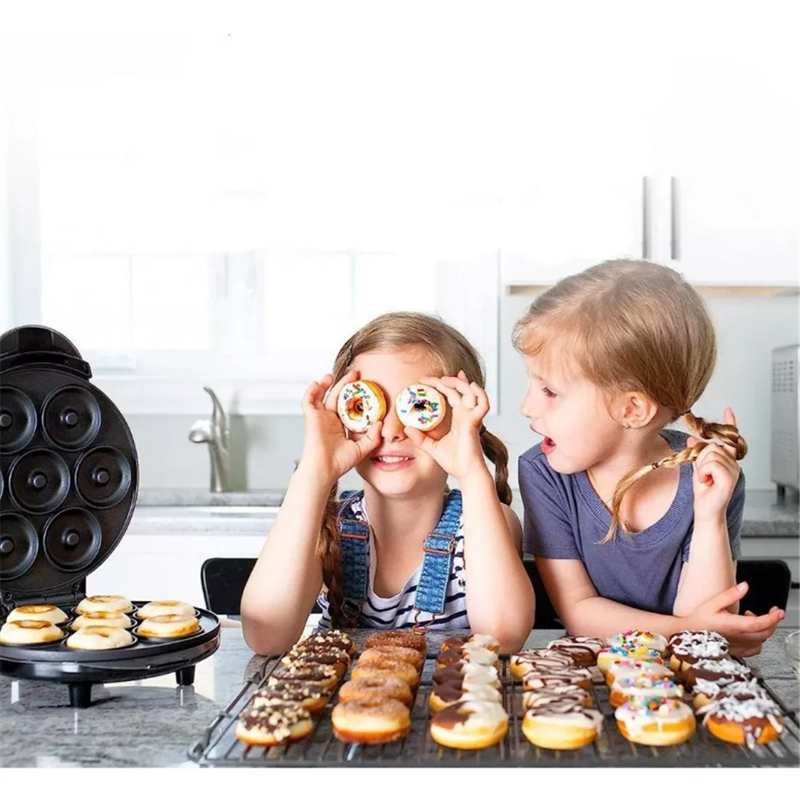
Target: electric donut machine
[68,485]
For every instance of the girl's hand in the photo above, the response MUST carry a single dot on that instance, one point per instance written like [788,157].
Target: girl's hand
[459,451]
[326,450]
[716,472]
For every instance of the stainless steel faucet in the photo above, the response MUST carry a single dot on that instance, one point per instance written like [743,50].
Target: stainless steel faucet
[216,433]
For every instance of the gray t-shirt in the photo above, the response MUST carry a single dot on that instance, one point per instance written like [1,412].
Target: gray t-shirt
[565,518]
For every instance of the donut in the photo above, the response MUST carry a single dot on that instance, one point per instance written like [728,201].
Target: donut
[471,640]
[747,719]
[387,668]
[332,638]
[541,697]
[376,720]
[114,619]
[445,694]
[158,608]
[561,724]
[638,638]
[687,647]
[467,674]
[398,639]
[545,678]
[583,649]
[100,637]
[368,688]
[630,667]
[655,721]
[539,660]
[475,655]
[44,611]
[168,626]
[322,677]
[307,695]
[104,602]
[421,407]
[337,659]
[707,676]
[360,405]
[641,687]
[268,725]
[30,631]
[470,725]
[407,654]
[610,655]
[743,689]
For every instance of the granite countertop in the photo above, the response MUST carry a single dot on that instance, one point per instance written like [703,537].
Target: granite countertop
[153,722]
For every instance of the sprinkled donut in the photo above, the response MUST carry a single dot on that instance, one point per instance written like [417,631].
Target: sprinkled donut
[638,638]
[655,721]
[421,407]
[610,655]
[360,405]
[630,667]
[641,687]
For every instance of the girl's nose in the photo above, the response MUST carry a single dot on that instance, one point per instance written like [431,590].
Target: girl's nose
[392,430]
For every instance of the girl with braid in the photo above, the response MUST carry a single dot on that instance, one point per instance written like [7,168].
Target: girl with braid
[316,550]
[633,524]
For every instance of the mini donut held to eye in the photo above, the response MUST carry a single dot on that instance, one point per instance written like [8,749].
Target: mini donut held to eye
[360,405]
[420,406]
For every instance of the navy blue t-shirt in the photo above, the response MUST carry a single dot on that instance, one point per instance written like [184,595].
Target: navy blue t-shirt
[565,518]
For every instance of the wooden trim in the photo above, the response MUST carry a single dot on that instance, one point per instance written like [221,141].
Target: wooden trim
[705,290]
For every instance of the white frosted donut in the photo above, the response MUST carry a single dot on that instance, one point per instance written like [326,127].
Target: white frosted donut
[360,405]
[631,667]
[99,637]
[561,724]
[469,725]
[41,612]
[168,626]
[157,608]
[656,721]
[111,619]
[421,407]
[30,631]
[638,638]
[104,602]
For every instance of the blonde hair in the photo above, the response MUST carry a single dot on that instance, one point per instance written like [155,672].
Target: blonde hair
[633,326]
[451,352]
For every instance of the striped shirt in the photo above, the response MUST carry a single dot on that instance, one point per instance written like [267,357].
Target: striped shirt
[398,611]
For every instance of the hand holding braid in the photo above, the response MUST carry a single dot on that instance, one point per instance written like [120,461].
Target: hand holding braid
[716,470]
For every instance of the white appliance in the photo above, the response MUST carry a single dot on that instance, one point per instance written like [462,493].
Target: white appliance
[785,419]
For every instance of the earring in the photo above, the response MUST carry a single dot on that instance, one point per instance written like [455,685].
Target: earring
[627,426]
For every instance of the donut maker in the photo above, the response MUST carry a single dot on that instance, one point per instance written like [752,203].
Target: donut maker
[68,485]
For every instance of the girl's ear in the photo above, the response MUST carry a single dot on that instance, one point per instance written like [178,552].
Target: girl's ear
[636,410]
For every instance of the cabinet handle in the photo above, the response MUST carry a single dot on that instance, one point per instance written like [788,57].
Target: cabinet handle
[675,220]
[646,217]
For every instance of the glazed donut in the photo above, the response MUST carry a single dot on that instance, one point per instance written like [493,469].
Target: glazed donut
[322,677]
[100,637]
[471,640]
[688,647]
[407,654]
[643,687]
[387,668]
[470,725]
[30,631]
[546,678]
[398,639]
[583,649]
[571,692]
[445,694]
[741,689]
[104,602]
[168,626]
[307,695]
[268,725]
[330,639]
[561,725]
[337,659]
[707,676]
[611,655]
[45,612]
[637,638]
[421,407]
[114,619]
[467,674]
[360,405]
[158,608]
[375,720]
[744,719]
[539,660]
[630,667]
[369,688]
[655,721]
[475,655]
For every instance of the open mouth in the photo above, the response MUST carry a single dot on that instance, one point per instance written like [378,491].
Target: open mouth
[548,445]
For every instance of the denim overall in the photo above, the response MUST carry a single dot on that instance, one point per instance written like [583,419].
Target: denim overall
[439,549]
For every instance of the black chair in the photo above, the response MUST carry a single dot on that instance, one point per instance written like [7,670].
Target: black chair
[223,581]
[769,580]
[546,616]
